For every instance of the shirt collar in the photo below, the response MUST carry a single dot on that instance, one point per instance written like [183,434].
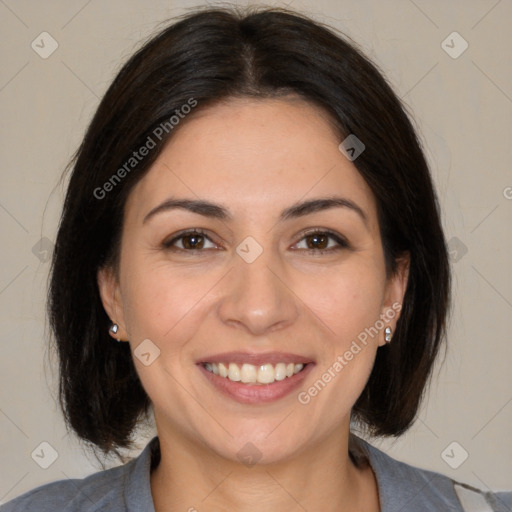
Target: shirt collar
[405,488]
[138,484]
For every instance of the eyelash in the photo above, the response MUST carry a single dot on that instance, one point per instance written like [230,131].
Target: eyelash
[342,243]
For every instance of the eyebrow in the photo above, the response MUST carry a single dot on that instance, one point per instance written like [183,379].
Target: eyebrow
[297,210]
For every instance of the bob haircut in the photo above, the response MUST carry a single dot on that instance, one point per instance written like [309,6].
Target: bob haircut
[203,58]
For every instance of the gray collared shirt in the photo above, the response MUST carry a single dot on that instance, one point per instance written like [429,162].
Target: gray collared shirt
[126,488]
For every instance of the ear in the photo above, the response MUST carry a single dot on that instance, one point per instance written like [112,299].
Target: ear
[394,295]
[108,285]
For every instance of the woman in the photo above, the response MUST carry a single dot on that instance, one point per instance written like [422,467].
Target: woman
[251,217]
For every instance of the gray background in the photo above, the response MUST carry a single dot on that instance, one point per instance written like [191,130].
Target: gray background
[461,106]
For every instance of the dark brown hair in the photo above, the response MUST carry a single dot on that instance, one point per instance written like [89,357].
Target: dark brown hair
[209,56]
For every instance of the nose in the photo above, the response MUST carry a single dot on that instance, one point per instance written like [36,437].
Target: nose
[257,297]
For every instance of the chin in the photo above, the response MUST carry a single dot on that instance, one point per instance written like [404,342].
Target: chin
[259,447]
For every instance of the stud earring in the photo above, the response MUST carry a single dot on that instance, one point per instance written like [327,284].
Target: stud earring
[113,330]
[388,334]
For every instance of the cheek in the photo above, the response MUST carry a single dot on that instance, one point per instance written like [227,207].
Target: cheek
[349,305]
[159,301]
[348,302]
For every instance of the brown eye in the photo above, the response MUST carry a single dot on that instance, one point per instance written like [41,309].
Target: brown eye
[321,242]
[190,241]
[193,241]
[317,241]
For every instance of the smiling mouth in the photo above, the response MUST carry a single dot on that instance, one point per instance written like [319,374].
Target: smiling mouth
[251,374]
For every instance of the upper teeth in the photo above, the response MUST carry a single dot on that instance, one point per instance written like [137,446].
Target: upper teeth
[250,374]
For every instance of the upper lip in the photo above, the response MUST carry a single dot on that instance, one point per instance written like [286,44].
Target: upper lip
[255,359]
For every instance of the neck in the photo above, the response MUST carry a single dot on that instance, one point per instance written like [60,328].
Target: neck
[192,478]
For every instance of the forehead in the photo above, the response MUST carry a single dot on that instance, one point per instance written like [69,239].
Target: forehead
[254,157]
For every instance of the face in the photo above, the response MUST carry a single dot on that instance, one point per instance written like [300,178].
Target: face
[279,281]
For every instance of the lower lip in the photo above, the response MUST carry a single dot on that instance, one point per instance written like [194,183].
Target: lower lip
[257,393]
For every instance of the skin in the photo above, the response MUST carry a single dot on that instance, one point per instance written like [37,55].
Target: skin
[255,158]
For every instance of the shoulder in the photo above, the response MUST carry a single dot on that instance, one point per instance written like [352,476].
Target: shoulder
[118,489]
[406,487]
[99,491]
